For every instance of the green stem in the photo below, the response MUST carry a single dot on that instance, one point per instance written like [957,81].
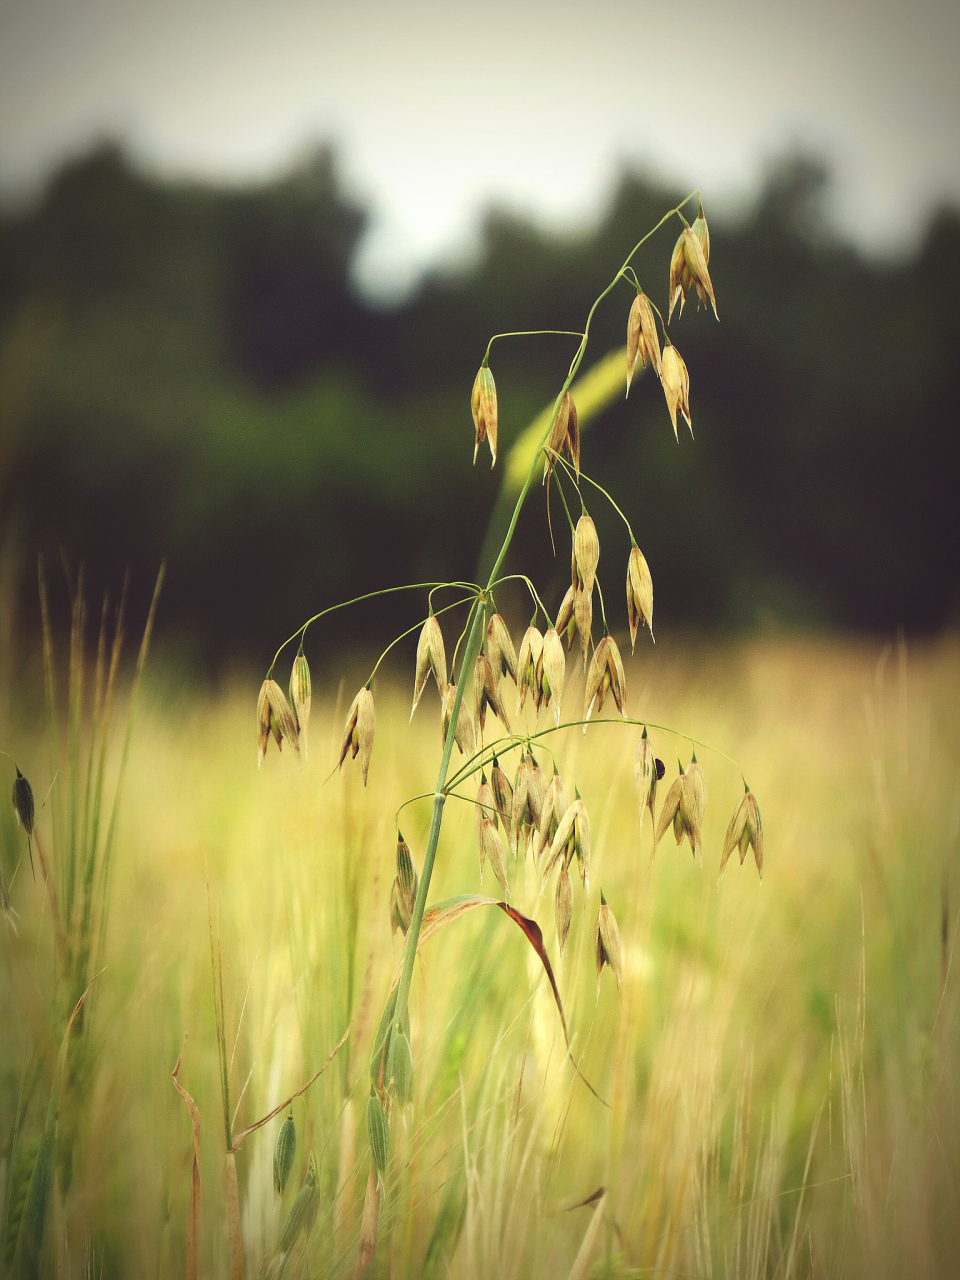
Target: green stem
[369,595]
[530,333]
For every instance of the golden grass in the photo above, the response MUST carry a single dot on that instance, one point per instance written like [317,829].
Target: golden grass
[780,1066]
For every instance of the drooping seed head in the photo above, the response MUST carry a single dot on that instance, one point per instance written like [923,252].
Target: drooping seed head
[283,1153]
[536,786]
[430,658]
[303,1211]
[607,943]
[493,850]
[404,892]
[639,594]
[586,553]
[702,231]
[551,673]
[484,815]
[606,674]
[676,385]
[645,777]
[483,404]
[487,693]
[502,796]
[583,616]
[464,736]
[642,339]
[688,269]
[670,811]
[274,716]
[564,907]
[554,807]
[693,801]
[531,647]
[378,1131]
[501,654]
[746,831]
[572,839]
[300,696]
[359,731]
[400,1066]
[564,438]
[566,620]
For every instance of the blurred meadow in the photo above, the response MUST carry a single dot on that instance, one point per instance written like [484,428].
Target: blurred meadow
[779,1068]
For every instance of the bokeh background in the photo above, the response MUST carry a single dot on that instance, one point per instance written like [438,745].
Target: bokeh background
[250,259]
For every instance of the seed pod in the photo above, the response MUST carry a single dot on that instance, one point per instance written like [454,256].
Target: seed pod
[274,716]
[583,615]
[702,231]
[536,787]
[484,815]
[400,1066]
[303,1211]
[645,777]
[531,647]
[465,738]
[607,942]
[493,850]
[378,1131]
[404,891]
[606,674]
[502,795]
[566,618]
[642,340]
[745,830]
[300,696]
[486,693]
[554,807]
[692,804]
[551,673]
[430,657]
[586,552]
[688,269]
[639,595]
[564,907]
[572,839]
[670,810]
[500,651]
[564,438]
[24,812]
[483,404]
[676,385]
[283,1153]
[359,730]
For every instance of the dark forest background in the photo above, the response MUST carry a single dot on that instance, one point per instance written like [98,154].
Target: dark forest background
[186,371]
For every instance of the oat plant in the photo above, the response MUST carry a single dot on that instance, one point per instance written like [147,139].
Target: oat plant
[522,807]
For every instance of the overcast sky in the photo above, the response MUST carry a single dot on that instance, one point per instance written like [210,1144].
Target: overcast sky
[440,107]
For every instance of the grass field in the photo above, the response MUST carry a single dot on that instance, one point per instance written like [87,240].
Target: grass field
[780,1068]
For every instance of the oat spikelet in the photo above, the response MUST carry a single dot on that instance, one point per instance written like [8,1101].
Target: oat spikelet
[606,675]
[531,647]
[676,385]
[746,831]
[465,737]
[359,731]
[639,595]
[645,777]
[275,717]
[501,654]
[642,340]
[607,943]
[300,696]
[688,269]
[551,673]
[430,658]
[483,404]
